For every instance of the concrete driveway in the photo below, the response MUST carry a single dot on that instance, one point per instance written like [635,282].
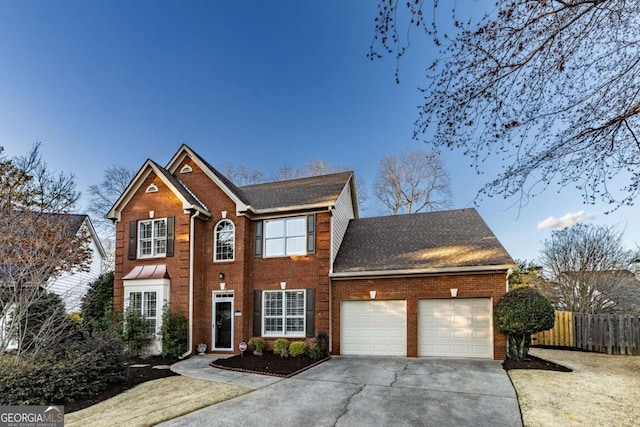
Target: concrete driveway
[375,391]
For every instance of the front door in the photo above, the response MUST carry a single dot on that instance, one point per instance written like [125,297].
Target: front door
[222,336]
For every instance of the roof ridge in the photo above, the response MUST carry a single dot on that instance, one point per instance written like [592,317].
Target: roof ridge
[303,178]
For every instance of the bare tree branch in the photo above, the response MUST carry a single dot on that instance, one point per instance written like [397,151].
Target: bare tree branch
[549,87]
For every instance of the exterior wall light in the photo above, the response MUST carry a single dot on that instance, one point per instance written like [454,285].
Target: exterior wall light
[454,292]
[372,294]
[283,285]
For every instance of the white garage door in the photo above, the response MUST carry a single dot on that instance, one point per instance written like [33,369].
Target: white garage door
[374,327]
[455,327]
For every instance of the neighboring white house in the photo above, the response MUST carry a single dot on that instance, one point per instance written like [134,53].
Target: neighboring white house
[71,287]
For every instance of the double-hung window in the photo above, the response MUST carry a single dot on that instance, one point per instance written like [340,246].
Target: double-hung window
[146,304]
[283,313]
[286,236]
[152,238]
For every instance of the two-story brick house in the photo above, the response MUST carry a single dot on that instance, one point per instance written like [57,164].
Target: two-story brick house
[291,258]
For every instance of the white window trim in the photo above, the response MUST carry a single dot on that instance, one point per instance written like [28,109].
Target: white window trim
[215,241]
[284,238]
[160,287]
[300,334]
[153,239]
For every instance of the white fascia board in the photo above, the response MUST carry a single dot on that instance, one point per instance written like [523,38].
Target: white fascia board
[185,151]
[423,271]
[95,237]
[147,282]
[314,206]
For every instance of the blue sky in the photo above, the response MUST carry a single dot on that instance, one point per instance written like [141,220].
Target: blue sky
[246,83]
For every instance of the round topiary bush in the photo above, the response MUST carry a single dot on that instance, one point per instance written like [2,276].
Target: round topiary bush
[297,348]
[520,313]
[281,347]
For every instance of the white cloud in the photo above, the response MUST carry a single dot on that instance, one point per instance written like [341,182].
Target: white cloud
[565,221]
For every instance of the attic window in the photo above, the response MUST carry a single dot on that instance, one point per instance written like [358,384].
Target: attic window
[186,169]
[152,188]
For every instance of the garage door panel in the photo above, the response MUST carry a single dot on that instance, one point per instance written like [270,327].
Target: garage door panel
[382,331]
[455,327]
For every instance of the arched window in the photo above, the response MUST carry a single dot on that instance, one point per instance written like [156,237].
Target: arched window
[224,241]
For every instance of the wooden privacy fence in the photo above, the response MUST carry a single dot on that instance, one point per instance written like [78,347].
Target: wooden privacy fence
[608,333]
[602,333]
[561,335]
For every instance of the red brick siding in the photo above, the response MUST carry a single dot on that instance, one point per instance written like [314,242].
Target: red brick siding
[164,204]
[412,289]
[299,272]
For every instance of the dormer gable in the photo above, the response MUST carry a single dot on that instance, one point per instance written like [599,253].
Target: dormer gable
[189,201]
[177,165]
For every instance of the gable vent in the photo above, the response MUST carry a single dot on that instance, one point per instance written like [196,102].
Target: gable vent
[186,169]
[152,188]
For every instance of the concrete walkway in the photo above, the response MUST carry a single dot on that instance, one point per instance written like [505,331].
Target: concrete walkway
[198,367]
[365,391]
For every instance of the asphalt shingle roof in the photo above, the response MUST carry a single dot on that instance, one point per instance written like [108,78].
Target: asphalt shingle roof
[315,190]
[456,238]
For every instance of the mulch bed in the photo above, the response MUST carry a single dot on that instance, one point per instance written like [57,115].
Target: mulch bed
[267,364]
[133,377]
[533,362]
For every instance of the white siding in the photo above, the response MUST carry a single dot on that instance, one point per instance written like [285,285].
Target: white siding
[342,213]
[72,286]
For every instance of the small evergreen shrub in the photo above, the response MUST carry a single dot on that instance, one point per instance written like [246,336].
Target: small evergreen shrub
[520,313]
[134,334]
[297,348]
[318,347]
[257,345]
[173,333]
[281,347]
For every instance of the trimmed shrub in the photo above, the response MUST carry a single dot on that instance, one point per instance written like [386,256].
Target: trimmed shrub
[318,348]
[281,347]
[63,374]
[297,348]
[173,333]
[257,345]
[520,313]
[134,334]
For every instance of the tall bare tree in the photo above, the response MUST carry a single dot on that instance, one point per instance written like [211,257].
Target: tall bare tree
[586,270]
[549,87]
[102,196]
[242,175]
[413,182]
[38,242]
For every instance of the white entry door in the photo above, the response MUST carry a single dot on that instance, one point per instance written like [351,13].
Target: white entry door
[455,328]
[376,327]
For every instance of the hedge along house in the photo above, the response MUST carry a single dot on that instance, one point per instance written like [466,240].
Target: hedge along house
[291,258]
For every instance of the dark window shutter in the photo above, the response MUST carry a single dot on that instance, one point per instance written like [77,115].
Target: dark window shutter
[311,234]
[257,316]
[257,251]
[170,234]
[133,239]
[310,313]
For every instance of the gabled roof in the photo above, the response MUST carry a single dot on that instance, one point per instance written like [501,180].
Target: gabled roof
[223,182]
[296,194]
[186,196]
[301,193]
[446,241]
